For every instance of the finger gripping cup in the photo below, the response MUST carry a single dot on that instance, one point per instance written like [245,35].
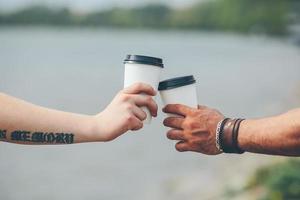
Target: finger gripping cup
[179,90]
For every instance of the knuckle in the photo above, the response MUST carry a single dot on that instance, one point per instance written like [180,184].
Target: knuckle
[196,113]
[138,126]
[129,107]
[149,100]
[176,106]
[129,119]
[125,97]
[202,107]
[187,125]
[194,125]
[144,116]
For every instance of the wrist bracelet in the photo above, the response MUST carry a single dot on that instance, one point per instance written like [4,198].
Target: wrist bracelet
[235,137]
[229,139]
[227,136]
[219,131]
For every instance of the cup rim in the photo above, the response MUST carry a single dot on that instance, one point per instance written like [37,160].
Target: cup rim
[176,82]
[147,60]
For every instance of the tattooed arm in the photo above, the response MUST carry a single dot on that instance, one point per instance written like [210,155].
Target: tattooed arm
[25,123]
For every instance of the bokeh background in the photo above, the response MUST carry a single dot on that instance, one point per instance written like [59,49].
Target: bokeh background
[69,55]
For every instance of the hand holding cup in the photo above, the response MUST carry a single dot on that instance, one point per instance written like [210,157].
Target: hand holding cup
[124,113]
[194,129]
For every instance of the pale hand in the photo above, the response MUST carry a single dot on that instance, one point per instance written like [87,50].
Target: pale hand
[124,113]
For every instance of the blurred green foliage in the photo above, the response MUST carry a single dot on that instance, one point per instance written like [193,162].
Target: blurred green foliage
[263,16]
[280,181]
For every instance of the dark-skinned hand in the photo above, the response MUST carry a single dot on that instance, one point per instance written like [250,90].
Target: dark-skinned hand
[195,129]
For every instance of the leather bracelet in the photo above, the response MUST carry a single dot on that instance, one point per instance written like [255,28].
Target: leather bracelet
[229,139]
[226,139]
[235,136]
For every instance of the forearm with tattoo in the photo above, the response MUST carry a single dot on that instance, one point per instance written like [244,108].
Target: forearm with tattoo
[2,134]
[37,137]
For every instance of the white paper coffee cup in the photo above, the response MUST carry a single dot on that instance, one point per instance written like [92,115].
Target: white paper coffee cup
[143,69]
[179,90]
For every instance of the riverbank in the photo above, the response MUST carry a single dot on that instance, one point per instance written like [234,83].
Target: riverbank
[243,16]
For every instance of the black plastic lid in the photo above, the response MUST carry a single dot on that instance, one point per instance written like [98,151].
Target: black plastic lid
[176,82]
[144,60]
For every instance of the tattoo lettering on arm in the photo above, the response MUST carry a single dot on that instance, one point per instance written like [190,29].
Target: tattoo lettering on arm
[41,137]
[2,135]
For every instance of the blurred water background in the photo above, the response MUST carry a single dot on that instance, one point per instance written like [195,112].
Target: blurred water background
[80,70]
